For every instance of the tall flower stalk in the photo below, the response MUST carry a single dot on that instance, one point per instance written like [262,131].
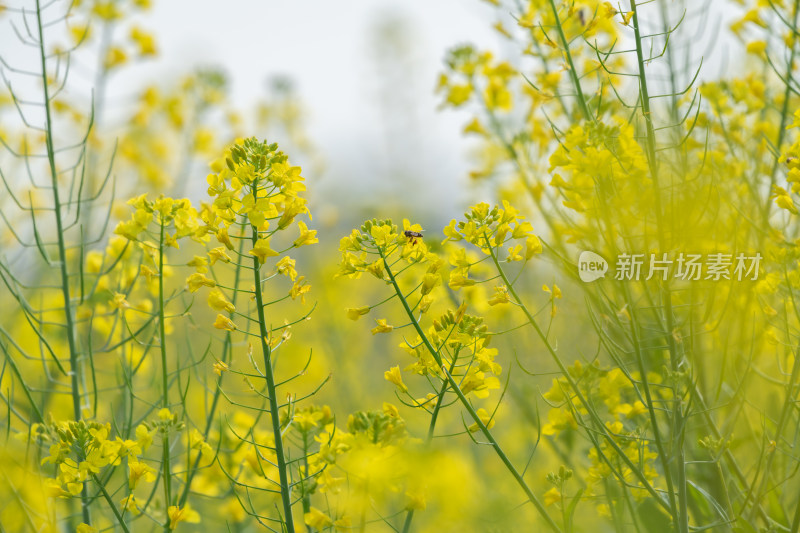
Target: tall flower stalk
[256,199]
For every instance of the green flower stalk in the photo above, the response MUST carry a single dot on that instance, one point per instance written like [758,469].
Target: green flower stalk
[396,252]
[256,200]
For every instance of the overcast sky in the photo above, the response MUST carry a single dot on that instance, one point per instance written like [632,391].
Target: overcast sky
[365,70]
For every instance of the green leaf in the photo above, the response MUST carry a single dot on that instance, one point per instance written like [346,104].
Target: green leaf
[653,517]
[742,526]
[571,508]
[705,499]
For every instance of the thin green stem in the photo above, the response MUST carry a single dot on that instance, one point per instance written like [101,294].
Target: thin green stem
[286,495]
[110,502]
[407,522]
[784,107]
[162,336]
[465,402]
[640,362]
[164,377]
[25,388]
[226,354]
[431,428]
[306,495]
[788,406]
[62,254]
[573,385]
[572,72]
[678,418]
[636,336]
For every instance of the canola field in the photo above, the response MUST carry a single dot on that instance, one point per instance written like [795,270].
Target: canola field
[606,339]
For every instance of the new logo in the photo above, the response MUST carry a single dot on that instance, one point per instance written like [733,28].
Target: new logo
[591,266]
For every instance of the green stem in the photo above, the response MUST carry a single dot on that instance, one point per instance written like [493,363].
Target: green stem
[678,419]
[226,355]
[788,406]
[162,336]
[25,388]
[164,377]
[635,334]
[111,504]
[784,108]
[645,99]
[573,385]
[306,495]
[572,73]
[431,428]
[407,523]
[640,362]
[796,520]
[724,487]
[466,403]
[62,254]
[286,495]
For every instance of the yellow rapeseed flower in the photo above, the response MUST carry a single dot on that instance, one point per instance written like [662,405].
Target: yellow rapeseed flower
[306,236]
[218,302]
[182,514]
[382,326]
[357,312]
[220,367]
[552,496]
[393,376]
[262,251]
[197,280]
[223,322]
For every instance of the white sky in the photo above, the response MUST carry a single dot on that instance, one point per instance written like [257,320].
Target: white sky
[356,103]
[364,69]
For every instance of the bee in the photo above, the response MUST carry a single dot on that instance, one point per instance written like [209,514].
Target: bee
[412,235]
